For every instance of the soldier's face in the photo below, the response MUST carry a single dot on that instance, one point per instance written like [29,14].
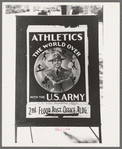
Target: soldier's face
[57,63]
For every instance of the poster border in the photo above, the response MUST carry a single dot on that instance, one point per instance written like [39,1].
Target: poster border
[95,120]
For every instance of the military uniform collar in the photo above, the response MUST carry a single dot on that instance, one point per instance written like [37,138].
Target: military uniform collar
[59,69]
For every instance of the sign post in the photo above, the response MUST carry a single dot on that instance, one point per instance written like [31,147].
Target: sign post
[57,72]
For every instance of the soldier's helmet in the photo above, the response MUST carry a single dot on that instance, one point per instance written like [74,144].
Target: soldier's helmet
[56,55]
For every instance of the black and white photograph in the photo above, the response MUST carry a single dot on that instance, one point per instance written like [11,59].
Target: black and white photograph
[60,68]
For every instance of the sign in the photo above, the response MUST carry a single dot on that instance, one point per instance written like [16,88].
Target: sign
[57,71]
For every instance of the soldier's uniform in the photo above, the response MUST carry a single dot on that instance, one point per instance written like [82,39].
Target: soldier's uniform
[61,81]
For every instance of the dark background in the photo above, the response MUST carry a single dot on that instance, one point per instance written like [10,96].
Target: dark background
[78,88]
[21,67]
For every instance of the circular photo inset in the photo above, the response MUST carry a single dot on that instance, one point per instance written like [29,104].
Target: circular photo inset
[57,70]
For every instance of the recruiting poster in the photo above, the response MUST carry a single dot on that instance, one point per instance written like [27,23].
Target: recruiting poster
[57,72]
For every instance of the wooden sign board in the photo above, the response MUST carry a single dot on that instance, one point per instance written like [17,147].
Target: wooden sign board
[57,71]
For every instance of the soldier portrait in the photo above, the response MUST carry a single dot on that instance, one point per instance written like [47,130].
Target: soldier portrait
[57,70]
